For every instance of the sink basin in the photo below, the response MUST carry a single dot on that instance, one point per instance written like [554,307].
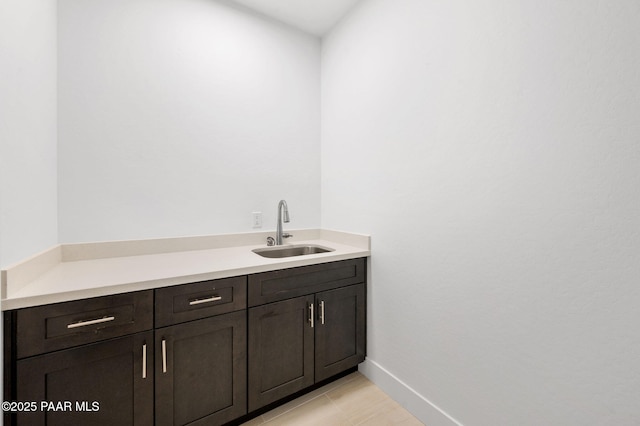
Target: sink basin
[289,251]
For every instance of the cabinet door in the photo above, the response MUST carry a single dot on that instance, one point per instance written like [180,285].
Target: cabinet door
[340,330]
[201,371]
[116,374]
[280,350]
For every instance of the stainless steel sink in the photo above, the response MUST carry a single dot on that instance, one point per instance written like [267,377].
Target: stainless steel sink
[289,251]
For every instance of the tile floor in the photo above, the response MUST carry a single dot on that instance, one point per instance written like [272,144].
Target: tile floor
[351,400]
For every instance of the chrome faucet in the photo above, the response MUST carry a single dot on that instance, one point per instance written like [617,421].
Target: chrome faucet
[283,216]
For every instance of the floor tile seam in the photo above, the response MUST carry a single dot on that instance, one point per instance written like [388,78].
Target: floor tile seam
[355,376]
[344,414]
[336,388]
[351,377]
[331,389]
[375,413]
[296,407]
[351,392]
[359,423]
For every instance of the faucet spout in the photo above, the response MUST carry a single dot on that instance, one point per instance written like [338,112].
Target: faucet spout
[283,216]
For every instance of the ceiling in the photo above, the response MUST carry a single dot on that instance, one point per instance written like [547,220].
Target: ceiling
[312,16]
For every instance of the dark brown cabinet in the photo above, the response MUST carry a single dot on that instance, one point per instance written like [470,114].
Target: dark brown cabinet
[203,299]
[190,370]
[83,362]
[201,371]
[299,341]
[199,354]
[280,350]
[284,284]
[104,383]
[340,330]
[58,326]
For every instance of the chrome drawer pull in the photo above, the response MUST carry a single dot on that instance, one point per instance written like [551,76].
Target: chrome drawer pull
[90,322]
[144,361]
[210,299]
[164,356]
[322,312]
[311,314]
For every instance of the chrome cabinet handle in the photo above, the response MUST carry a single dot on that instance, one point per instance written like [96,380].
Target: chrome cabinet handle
[322,312]
[144,361]
[207,300]
[164,356]
[90,322]
[311,314]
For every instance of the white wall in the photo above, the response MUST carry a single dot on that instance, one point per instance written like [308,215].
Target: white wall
[28,169]
[491,149]
[181,117]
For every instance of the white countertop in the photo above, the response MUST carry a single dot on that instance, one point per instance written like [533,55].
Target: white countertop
[79,271]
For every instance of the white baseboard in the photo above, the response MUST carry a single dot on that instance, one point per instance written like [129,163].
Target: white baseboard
[423,409]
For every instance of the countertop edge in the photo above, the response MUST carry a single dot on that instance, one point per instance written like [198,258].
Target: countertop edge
[45,262]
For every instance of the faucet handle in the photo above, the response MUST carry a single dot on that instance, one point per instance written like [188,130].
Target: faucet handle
[287,235]
[271,241]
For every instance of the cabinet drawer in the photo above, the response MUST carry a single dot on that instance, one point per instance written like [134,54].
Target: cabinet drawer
[63,325]
[273,286]
[200,300]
